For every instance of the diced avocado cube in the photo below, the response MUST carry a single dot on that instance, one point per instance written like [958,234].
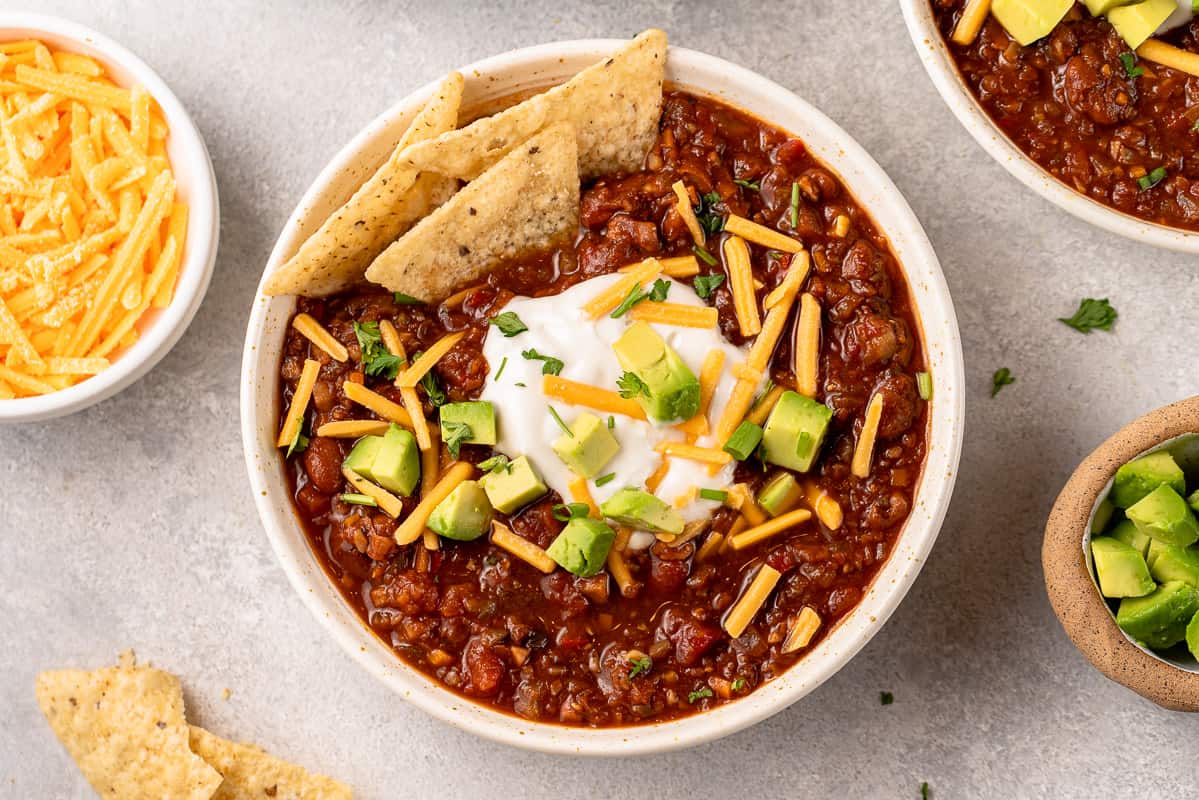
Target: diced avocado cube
[1168,562]
[1100,7]
[1029,20]
[464,515]
[478,414]
[362,458]
[582,546]
[1103,515]
[673,387]
[1193,501]
[1159,619]
[1163,515]
[1193,636]
[588,447]
[397,463]
[1138,478]
[1122,571]
[795,431]
[1126,532]
[780,494]
[513,486]
[643,511]
[1136,22]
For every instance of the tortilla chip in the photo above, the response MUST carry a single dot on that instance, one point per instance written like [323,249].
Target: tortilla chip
[251,774]
[396,196]
[528,201]
[124,727]
[613,106]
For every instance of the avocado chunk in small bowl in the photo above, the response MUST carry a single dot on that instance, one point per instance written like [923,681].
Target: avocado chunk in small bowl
[1121,556]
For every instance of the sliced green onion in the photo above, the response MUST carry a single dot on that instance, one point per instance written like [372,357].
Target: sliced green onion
[605,479]
[744,440]
[561,424]
[924,384]
[714,494]
[565,512]
[359,499]
[611,422]
[795,204]
[1152,179]
[500,371]
[704,256]
[753,186]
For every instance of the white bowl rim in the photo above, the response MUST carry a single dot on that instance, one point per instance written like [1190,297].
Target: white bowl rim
[195,271]
[939,64]
[889,586]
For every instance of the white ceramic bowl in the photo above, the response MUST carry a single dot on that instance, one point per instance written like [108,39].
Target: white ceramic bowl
[537,67]
[938,61]
[196,186]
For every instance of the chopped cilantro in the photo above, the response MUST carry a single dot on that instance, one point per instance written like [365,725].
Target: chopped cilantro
[714,494]
[432,388]
[631,386]
[709,219]
[500,371]
[1152,179]
[704,256]
[1091,314]
[753,186]
[1129,60]
[659,290]
[795,204]
[886,698]
[549,366]
[358,499]
[383,365]
[738,684]
[407,300]
[706,284]
[1002,377]
[497,463]
[924,791]
[603,480]
[299,444]
[454,434]
[509,324]
[376,360]
[635,296]
[699,694]
[561,424]
[565,512]
[641,666]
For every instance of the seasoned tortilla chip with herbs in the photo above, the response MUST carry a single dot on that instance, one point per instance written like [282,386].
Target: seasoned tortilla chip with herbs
[124,727]
[251,774]
[388,204]
[528,201]
[613,106]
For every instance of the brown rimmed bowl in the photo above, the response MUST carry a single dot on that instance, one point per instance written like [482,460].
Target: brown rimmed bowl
[1171,682]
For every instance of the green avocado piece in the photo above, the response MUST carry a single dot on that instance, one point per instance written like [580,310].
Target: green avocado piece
[1138,478]
[780,494]
[478,414]
[794,431]
[362,457]
[1160,619]
[582,546]
[464,515]
[1193,636]
[1029,20]
[397,463]
[1126,532]
[1168,562]
[1163,515]
[1103,515]
[1136,22]
[588,447]
[643,511]
[1193,501]
[673,387]
[1121,569]
[1101,7]
[513,486]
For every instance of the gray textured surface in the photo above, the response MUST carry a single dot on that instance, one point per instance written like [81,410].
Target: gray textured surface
[131,524]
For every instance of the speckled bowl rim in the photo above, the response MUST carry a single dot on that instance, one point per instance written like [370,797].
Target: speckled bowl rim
[537,67]
[939,64]
[1081,610]
[196,186]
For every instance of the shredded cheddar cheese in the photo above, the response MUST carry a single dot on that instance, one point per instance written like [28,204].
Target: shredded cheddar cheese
[582,394]
[760,234]
[610,298]
[299,402]
[1169,56]
[971,21]
[807,345]
[745,301]
[377,403]
[751,601]
[683,204]
[705,455]
[418,370]
[353,428]
[391,505]
[863,453]
[412,527]
[805,626]
[316,333]
[503,538]
[769,528]
[684,316]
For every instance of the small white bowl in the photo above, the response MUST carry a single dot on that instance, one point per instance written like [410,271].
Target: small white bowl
[538,67]
[196,186]
[938,61]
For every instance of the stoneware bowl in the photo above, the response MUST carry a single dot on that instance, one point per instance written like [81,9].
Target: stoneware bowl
[539,67]
[196,186]
[1171,683]
[939,64]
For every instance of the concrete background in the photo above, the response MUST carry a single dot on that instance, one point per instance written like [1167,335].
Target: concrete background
[131,525]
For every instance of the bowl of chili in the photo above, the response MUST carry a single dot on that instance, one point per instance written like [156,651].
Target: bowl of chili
[334,591]
[1078,116]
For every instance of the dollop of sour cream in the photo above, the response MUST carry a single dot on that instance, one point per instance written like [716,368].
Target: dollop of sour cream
[557,327]
[1181,16]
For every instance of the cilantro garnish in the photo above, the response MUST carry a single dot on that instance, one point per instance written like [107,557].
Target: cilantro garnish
[454,434]
[299,444]
[1152,179]
[497,463]
[1129,60]
[709,219]
[558,419]
[641,666]
[407,299]
[635,296]
[603,480]
[753,186]
[631,386]
[659,290]
[431,386]
[886,698]
[924,791]
[565,512]
[703,255]
[549,366]
[699,694]
[706,284]
[1091,314]
[509,324]
[376,359]
[1002,377]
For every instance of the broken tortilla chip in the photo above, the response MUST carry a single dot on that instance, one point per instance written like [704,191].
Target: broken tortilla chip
[124,727]
[396,196]
[251,774]
[528,201]
[613,106]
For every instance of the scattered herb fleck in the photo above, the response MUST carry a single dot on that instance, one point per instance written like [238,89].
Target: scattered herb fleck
[794,204]
[738,684]
[631,386]
[709,219]
[611,422]
[454,434]
[659,290]
[497,463]
[753,186]
[1091,314]
[376,360]
[635,296]
[1152,179]
[299,443]
[549,366]
[706,284]
[886,698]
[509,324]
[603,480]
[641,666]
[1129,60]
[699,694]
[1002,377]
[925,792]
[565,512]
[431,386]
[703,255]
[561,424]
[500,371]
